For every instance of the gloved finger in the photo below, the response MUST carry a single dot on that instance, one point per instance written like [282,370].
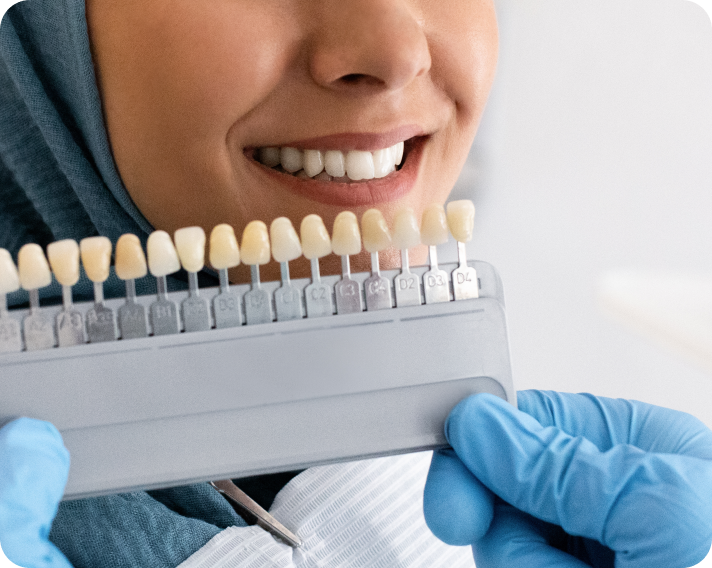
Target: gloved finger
[608,421]
[457,507]
[516,539]
[656,508]
[34,465]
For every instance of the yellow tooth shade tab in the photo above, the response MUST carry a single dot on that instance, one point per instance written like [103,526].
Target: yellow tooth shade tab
[190,244]
[285,242]
[315,238]
[9,279]
[64,260]
[433,227]
[224,252]
[376,236]
[162,255]
[255,249]
[406,229]
[96,257]
[346,236]
[33,268]
[461,219]
[130,260]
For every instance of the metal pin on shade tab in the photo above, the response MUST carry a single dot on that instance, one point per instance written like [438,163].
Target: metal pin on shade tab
[64,259]
[346,241]
[376,237]
[286,247]
[190,244]
[224,254]
[162,261]
[316,243]
[255,251]
[34,274]
[461,220]
[131,265]
[406,234]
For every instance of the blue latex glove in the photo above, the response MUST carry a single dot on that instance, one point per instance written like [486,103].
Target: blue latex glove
[33,472]
[573,480]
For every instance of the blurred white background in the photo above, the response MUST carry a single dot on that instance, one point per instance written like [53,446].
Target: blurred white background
[595,154]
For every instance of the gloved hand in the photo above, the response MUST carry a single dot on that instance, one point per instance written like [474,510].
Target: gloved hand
[33,472]
[573,480]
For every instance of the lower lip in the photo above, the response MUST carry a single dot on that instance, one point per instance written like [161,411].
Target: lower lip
[358,193]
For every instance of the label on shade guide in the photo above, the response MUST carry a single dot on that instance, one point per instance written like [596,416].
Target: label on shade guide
[227,311]
[164,317]
[436,285]
[39,332]
[101,324]
[132,321]
[348,296]
[378,293]
[407,288]
[318,300]
[10,338]
[288,303]
[464,283]
[70,328]
[196,314]
[257,306]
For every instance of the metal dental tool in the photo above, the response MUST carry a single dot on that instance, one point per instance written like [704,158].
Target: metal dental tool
[64,259]
[255,252]
[34,274]
[190,244]
[376,238]
[10,335]
[130,265]
[345,241]
[316,244]
[406,234]
[224,254]
[461,220]
[96,259]
[286,247]
[434,231]
[162,261]
[243,503]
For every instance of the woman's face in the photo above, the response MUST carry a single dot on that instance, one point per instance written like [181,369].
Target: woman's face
[193,90]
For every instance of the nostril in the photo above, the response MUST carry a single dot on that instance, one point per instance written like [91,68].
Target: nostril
[360,79]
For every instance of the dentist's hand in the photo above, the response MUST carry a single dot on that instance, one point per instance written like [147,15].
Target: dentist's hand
[571,481]
[33,472]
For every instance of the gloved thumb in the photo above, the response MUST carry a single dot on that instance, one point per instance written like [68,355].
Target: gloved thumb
[34,465]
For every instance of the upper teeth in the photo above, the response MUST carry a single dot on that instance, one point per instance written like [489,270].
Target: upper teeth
[355,164]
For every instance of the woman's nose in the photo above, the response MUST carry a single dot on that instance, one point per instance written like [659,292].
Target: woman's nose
[366,45]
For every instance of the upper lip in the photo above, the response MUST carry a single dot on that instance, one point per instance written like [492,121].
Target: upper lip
[367,141]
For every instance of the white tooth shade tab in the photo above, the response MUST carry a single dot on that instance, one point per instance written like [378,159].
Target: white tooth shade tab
[398,150]
[269,157]
[64,259]
[334,163]
[9,279]
[162,256]
[190,244]
[255,249]
[96,257]
[461,219]
[224,251]
[292,159]
[130,261]
[406,230]
[359,165]
[376,236]
[313,162]
[433,226]
[33,268]
[315,238]
[285,241]
[346,236]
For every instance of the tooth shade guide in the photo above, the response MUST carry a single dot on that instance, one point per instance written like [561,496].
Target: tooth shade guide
[132,315]
[286,247]
[407,284]
[10,334]
[436,283]
[163,312]
[258,304]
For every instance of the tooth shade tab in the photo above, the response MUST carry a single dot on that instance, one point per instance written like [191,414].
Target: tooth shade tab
[255,249]
[285,241]
[9,279]
[130,261]
[190,245]
[96,257]
[406,232]
[313,162]
[376,236]
[433,227]
[292,159]
[224,252]
[269,157]
[346,236]
[461,219]
[335,163]
[398,151]
[162,256]
[32,266]
[359,165]
[315,238]
[64,259]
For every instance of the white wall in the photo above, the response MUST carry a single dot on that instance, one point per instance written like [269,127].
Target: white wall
[595,153]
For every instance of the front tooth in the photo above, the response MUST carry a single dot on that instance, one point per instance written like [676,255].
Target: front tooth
[64,260]
[33,267]
[383,162]
[406,230]
[346,236]
[269,157]
[398,151]
[130,261]
[285,242]
[162,255]
[334,163]
[96,257]
[374,230]
[313,162]
[314,236]
[9,279]
[190,245]
[461,219]
[292,159]
[359,165]
[224,251]
[255,248]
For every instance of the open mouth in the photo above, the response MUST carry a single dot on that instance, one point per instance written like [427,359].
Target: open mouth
[344,177]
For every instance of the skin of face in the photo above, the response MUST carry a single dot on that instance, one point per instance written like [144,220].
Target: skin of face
[190,89]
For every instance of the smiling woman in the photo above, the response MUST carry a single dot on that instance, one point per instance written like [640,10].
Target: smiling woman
[203,99]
